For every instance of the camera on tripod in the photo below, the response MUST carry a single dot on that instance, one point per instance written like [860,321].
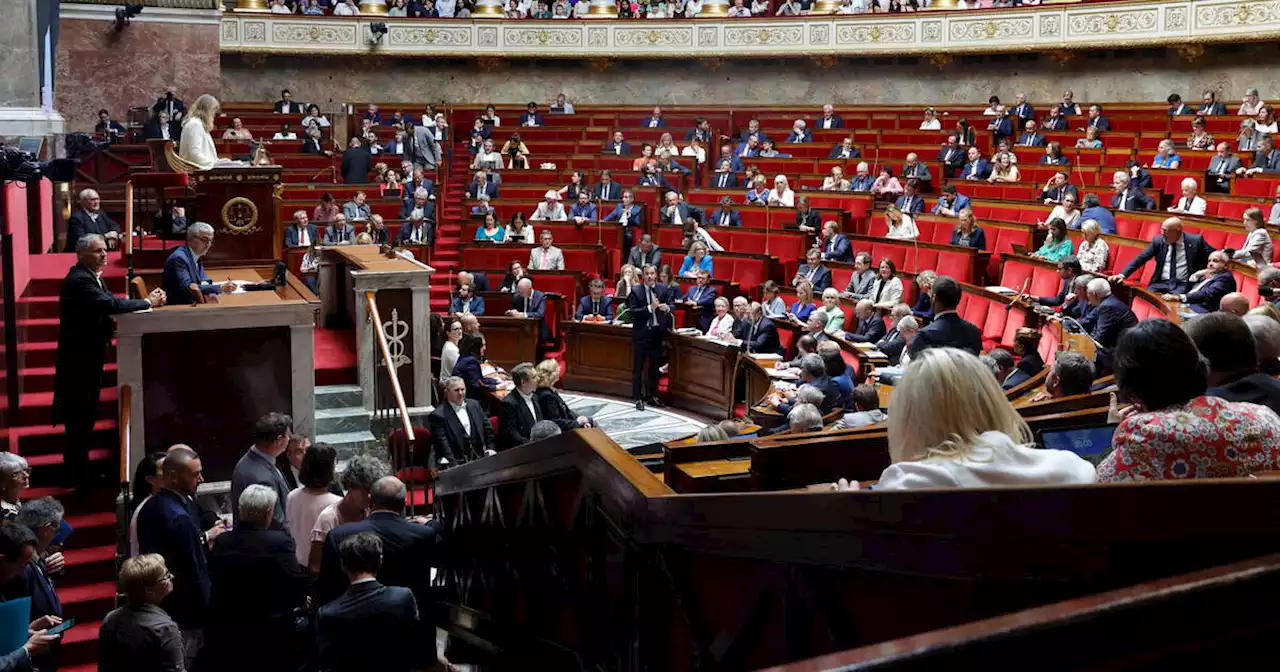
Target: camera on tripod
[17,165]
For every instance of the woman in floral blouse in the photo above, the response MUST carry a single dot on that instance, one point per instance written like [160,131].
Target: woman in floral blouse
[1199,138]
[1093,250]
[1171,429]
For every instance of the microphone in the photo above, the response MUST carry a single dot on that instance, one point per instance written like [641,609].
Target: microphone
[1082,330]
[1019,296]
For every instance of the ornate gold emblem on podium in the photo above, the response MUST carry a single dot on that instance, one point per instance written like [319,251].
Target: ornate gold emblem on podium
[240,215]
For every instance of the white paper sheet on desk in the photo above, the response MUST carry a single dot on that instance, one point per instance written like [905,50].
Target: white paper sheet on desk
[689,331]
[783,374]
[1001,290]
[240,285]
[488,369]
[727,344]
[506,385]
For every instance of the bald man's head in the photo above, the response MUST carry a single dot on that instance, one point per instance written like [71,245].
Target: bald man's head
[1235,303]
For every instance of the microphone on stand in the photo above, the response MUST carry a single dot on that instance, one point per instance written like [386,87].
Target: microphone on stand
[1019,296]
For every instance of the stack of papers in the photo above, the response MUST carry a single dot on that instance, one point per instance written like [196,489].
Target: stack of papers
[783,374]
[1002,290]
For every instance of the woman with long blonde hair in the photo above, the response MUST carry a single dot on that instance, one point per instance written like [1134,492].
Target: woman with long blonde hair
[951,426]
[196,146]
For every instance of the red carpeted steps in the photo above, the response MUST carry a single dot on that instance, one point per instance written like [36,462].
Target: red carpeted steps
[450,205]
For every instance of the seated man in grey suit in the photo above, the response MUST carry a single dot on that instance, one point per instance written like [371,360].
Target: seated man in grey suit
[645,253]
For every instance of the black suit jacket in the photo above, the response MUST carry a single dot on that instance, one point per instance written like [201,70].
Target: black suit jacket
[638,306]
[724,181]
[1194,247]
[257,583]
[761,337]
[553,408]
[85,308]
[515,421]
[356,164]
[282,463]
[1136,199]
[81,224]
[639,259]
[287,107]
[948,330]
[830,393]
[891,345]
[607,192]
[450,439]
[152,130]
[374,627]
[810,218]
[1255,388]
[409,550]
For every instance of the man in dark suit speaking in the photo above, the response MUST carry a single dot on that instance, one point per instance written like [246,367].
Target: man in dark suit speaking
[460,431]
[185,267]
[86,307]
[650,321]
[948,329]
[1177,256]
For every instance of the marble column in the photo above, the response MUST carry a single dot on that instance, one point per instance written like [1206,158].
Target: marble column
[26,104]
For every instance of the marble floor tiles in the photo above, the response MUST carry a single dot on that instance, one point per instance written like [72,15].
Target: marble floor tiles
[629,427]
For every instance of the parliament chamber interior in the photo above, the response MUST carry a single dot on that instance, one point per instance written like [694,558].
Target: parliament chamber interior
[777,334]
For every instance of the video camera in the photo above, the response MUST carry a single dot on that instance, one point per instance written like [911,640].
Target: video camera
[20,166]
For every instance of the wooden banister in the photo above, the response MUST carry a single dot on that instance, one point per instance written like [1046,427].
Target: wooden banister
[128,218]
[125,420]
[372,306]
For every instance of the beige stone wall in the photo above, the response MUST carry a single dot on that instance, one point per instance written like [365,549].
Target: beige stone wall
[1119,76]
[19,80]
[100,68]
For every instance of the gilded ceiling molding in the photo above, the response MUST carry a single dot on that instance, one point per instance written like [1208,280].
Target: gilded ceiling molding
[1058,30]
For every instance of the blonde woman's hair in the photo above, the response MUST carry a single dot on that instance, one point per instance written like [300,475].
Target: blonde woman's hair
[205,109]
[830,293]
[140,573]
[363,238]
[945,400]
[805,287]
[547,372]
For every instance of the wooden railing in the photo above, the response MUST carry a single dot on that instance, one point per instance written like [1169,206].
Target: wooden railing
[125,506]
[388,365]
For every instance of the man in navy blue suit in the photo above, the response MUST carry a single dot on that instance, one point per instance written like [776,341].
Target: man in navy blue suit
[910,201]
[1232,350]
[301,233]
[184,267]
[835,245]
[655,120]
[1177,256]
[702,299]
[606,189]
[617,145]
[951,202]
[799,134]
[735,161]
[951,156]
[760,335]
[948,329]
[1096,120]
[845,150]
[595,303]
[466,302]
[629,215]
[726,215]
[1094,211]
[870,326]
[813,271]
[531,303]
[1109,318]
[1022,110]
[1001,125]
[43,517]
[1128,196]
[1031,136]
[1265,160]
[724,177]
[1210,285]
[650,321]
[1211,104]
[977,168]
[482,185]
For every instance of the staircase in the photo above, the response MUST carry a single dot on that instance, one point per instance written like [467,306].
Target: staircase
[451,214]
[342,421]
[87,589]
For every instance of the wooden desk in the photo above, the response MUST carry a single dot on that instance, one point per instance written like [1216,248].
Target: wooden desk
[402,292]
[598,358]
[701,375]
[509,340]
[203,374]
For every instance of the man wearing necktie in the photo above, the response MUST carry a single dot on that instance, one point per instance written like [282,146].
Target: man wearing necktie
[1127,195]
[530,303]
[910,202]
[813,272]
[85,309]
[702,298]
[1177,256]
[1221,168]
[650,320]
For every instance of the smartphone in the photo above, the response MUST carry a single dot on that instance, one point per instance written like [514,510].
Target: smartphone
[61,627]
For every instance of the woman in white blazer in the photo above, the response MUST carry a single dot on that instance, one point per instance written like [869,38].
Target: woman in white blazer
[886,291]
[196,146]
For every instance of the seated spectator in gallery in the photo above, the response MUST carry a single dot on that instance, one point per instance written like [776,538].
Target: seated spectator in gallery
[1170,428]
[934,441]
